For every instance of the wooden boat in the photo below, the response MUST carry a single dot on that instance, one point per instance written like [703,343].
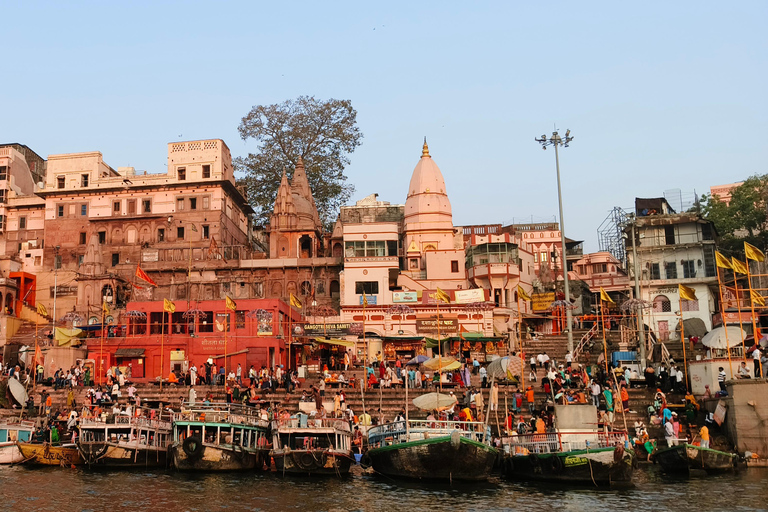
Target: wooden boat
[51,455]
[435,450]
[219,437]
[575,453]
[684,457]
[313,447]
[13,431]
[124,441]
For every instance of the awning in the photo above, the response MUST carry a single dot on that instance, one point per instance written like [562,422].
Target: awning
[129,352]
[330,341]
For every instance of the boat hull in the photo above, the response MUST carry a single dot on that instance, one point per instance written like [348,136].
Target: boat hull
[312,462]
[441,458]
[214,458]
[10,453]
[602,466]
[47,455]
[111,455]
[681,459]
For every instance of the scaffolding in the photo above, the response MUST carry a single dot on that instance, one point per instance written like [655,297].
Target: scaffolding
[610,234]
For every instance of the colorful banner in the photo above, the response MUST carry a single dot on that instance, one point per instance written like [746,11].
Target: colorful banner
[265,327]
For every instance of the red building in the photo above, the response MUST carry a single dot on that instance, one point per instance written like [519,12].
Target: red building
[151,342]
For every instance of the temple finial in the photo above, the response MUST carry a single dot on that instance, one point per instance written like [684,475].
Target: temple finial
[425,149]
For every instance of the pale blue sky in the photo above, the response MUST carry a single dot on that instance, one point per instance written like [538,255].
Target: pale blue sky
[659,95]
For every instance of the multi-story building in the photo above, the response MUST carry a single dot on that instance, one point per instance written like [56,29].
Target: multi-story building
[673,248]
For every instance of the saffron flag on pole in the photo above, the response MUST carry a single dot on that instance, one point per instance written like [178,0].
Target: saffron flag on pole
[722,261]
[104,308]
[41,309]
[231,304]
[738,266]
[143,276]
[605,297]
[522,293]
[365,301]
[442,296]
[169,306]
[295,302]
[686,293]
[756,298]
[38,355]
[753,253]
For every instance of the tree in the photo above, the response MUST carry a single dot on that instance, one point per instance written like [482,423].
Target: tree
[743,219]
[323,133]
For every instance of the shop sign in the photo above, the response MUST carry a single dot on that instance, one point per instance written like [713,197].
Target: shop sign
[371,300]
[448,325]
[329,329]
[468,296]
[405,297]
[542,301]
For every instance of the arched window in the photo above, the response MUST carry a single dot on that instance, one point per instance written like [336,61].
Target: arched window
[335,289]
[305,288]
[107,293]
[661,304]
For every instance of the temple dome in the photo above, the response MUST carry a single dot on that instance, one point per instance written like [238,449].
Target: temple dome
[427,199]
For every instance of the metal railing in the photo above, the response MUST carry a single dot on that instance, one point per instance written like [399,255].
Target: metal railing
[127,421]
[396,432]
[221,413]
[336,423]
[565,441]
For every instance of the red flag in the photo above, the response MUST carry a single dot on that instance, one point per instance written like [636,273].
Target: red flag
[143,275]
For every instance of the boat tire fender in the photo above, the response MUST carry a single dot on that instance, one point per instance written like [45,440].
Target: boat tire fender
[557,464]
[534,460]
[193,447]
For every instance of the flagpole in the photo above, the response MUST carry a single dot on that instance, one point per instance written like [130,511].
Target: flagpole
[741,323]
[439,347]
[755,331]
[101,345]
[682,338]
[365,344]
[162,346]
[605,345]
[34,370]
[226,328]
[520,339]
[722,315]
[290,332]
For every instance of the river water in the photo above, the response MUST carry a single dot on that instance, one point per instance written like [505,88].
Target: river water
[72,490]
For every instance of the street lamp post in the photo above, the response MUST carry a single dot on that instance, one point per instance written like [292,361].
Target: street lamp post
[555,141]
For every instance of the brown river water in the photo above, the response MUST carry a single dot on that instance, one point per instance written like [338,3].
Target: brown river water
[73,490]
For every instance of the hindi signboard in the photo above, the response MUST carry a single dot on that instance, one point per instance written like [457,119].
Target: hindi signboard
[429,326]
[329,329]
[542,301]
[405,297]
[468,296]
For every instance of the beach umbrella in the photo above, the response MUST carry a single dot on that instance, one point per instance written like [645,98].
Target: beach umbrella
[505,367]
[434,401]
[418,360]
[716,337]
[442,364]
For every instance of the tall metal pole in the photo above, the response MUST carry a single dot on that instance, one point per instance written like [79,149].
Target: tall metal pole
[55,289]
[568,315]
[640,320]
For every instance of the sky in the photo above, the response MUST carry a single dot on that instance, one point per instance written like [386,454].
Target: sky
[658,95]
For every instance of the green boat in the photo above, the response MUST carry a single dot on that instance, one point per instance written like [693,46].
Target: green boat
[683,458]
[431,450]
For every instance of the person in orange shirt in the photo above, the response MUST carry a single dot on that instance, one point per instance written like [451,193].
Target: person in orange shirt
[48,405]
[529,398]
[541,427]
[625,398]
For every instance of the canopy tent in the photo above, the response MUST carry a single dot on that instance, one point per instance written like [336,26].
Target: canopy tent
[693,327]
[331,341]
[434,402]
[417,360]
[65,337]
[447,363]
[716,337]
[505,367]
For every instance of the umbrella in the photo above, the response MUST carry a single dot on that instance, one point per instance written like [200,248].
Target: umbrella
[442,364]
[693,327]
[716,337]
[418,359]
[505,367]
[434,402]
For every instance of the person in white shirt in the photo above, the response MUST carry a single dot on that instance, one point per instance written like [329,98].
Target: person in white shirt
[533,364]
[756,358]
[568,359]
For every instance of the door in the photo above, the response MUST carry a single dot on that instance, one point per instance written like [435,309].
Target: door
[663,330]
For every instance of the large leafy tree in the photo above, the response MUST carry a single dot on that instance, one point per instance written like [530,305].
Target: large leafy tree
[744,218]
[323,133]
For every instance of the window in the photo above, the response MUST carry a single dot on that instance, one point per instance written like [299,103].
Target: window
[601,268]
[83,210]
[454,266]
[115,259]
[193,203]
[655,271]
[83,180]
[57,261]
[206,232]
[2,196]
[180,233]
[689,269]
[3,172]
[146,206]
[414,264]
[543,256]
[60,182]
[82,238]
[102,237]
[179,204]
[206,171]
[130,205]
[80,259]
[22,223]
[161,235]
[669,235]
[206,202]
[706,232]
[367,287]
[182,173]
[38,261]
[670,270]
[60,210]
[661,304]
[115,206]
[689,305]
[535,257]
